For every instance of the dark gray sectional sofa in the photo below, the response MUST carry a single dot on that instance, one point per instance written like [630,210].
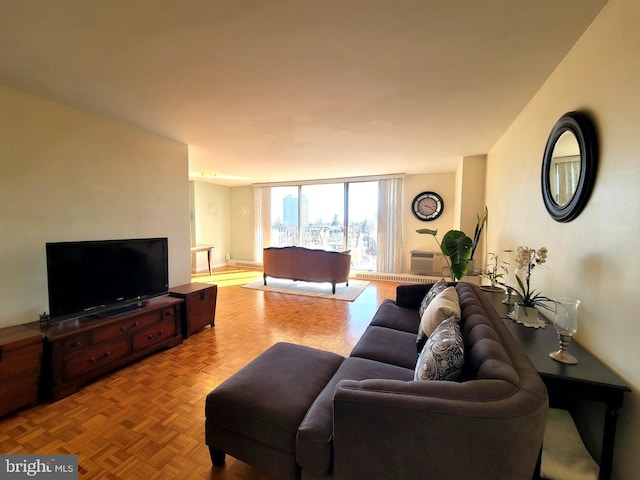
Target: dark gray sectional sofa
[300,412]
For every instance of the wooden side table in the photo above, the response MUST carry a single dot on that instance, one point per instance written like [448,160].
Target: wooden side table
[199,307]
[204,248]
[20,361]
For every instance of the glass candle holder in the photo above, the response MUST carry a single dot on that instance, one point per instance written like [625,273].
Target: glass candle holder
[566,324]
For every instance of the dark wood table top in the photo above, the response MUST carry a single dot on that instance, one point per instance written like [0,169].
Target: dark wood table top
[539,342]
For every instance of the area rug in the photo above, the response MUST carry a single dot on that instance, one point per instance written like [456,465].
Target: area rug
[311,289]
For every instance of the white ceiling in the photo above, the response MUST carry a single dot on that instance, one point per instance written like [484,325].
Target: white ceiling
[280,90]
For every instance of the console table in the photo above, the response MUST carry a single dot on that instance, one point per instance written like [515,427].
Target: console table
[588,380]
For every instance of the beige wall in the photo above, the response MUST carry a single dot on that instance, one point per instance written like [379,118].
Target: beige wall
[444,185]
[242,230]
[66,175]
[211,211]
[470,199]
[594,258]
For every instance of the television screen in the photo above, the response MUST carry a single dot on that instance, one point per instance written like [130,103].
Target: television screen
[95,276]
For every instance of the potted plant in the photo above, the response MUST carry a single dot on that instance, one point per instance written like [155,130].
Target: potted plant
[456,247]
[481,221]
[528,259]
[496,270]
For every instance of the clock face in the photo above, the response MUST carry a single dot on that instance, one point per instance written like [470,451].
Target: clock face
[427,206]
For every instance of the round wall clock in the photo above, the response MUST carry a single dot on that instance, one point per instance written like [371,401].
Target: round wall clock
[427,206]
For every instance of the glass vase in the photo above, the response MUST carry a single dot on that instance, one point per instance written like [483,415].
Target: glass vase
[565,322]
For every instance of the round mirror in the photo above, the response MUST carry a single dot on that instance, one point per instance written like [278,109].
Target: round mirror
[569,166]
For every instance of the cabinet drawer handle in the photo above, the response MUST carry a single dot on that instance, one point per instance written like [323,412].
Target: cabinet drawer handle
[168,313]
[76,344]
[124,329]
[135,324]
[95,360]
[153,337]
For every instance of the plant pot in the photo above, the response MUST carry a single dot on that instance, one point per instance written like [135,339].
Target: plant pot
[527,316]
[471,265]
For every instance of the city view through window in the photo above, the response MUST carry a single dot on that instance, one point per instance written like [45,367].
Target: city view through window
[335,216]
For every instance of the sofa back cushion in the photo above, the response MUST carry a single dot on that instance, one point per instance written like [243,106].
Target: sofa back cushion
[485,355]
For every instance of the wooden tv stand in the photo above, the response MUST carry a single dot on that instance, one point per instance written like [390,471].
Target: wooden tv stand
[77,351]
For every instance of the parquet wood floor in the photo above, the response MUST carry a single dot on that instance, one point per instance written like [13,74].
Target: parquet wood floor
[146,421]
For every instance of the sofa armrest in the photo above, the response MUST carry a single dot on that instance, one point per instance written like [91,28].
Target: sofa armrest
[433,430]
[410,296]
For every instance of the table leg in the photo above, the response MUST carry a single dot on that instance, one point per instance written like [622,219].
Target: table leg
[608,438]
[209,260]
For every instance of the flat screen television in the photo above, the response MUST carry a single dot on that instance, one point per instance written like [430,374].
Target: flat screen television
[106,276]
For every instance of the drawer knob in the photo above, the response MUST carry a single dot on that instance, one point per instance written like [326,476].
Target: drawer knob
[95,360]
[153,337]
[76,344]
[123,329]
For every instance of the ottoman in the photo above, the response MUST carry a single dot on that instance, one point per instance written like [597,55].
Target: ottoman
[255,414]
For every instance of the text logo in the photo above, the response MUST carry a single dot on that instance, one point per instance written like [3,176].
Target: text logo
[49,467]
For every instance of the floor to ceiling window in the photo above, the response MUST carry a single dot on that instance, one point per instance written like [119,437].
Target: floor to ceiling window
[329,216]
[363,224]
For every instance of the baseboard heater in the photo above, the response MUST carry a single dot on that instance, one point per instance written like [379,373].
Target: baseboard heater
[396,277]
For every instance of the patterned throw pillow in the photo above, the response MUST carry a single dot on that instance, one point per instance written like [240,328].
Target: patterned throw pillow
[435,289]
[443,355]
[446,304]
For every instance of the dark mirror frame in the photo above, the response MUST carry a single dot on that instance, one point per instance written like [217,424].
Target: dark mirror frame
[582,127]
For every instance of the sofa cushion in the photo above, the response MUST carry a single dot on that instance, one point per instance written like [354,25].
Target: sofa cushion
[314,443]
[387,346]
[434,291]
[390,315]
[442,306]
[443,355]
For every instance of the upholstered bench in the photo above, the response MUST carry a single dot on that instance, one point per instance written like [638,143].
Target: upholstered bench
[254,415]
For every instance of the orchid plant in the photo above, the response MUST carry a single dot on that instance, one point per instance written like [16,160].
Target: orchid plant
[528,259]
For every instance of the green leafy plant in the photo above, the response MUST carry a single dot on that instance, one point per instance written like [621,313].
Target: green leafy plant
[481,221]
[456,247]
